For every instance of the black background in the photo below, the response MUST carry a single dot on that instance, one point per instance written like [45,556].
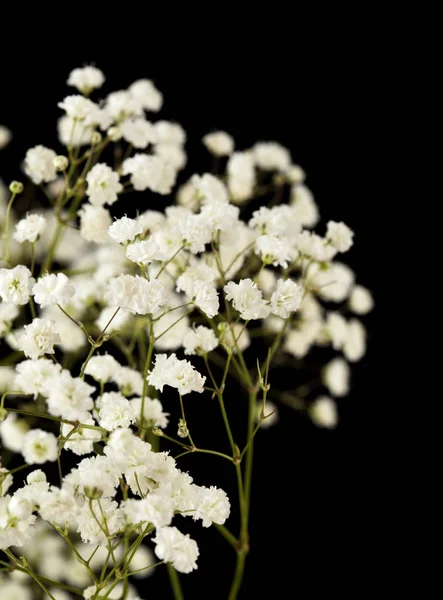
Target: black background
[313,495]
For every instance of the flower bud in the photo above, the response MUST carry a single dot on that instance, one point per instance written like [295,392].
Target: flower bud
[96,138]
[114,134]
[182,429]
[61,163]
[16,187]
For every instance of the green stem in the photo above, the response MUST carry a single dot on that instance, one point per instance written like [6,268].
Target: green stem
[30,572]
[175,583]
[227,535]
[6,230]
[238,576]
[145,375]
[53,247]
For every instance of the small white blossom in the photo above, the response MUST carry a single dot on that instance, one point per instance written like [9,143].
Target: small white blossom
[81,109]
[129,381]
[172,154]
[274,251]
[241,176]
[337,329]
[91,521]
[336,376]
[219,143]
[95,222]
[200,340]
[180,374]
[147,95]
[53,289]
[38,338]
[39,447]
[305,208]
[247,299]
[271,156]
[287,298]
[354,347]
[315,247]
[5,136]
[145,252]
[176,548]
[102,368]
[125,230]
[115,411]
[82,441]
[170,133]
[86,79]
[153,415]
[103,185]
[39,164]
[29,228]
[340,236]
[135,294]
[139,132]
[361,301]
[150,172]
[213,506]
[323,412]
[206,297]
[16,285]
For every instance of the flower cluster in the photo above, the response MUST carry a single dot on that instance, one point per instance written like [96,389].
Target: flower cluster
[99,316]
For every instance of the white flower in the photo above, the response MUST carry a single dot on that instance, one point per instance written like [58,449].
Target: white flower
[147,95]
[287,298]
[103,185]
[95,474]
[170,133]
[16,520]
[135,294]
[12,432]
[305,208]
[125,230]
[102,368]
[59,506]
[38,338]
[72,133]
[196,230]
[150,172]
[340,236]
[323,412]
[16,284]
[337,329]
[200,340]
[270,412]
[5,136]
[82,109]
[197,270]
[95,222]
[174,547]
[7,374]
[333,284]
[205,297]
[29,228]
[82,441]
[86,79]
[53,289]
[39,164]
[271,156]
[156,508]
[145,252]
[139,132]
[361,301]
[315,247]
[213,506]
[219,143]
[129,381]
[115,411]
[35,376]
[354,347]
[276,221]
[247,299]
[39,447]
[241,176]
[92,524]
[69,397]
[171,154]
[211,190]
[153,415]
[336,377]
[274,250]
[180,374]
[6,480]
[122,105]
[118,322]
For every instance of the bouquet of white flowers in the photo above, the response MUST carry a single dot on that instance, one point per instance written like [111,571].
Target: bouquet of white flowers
[98,316]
